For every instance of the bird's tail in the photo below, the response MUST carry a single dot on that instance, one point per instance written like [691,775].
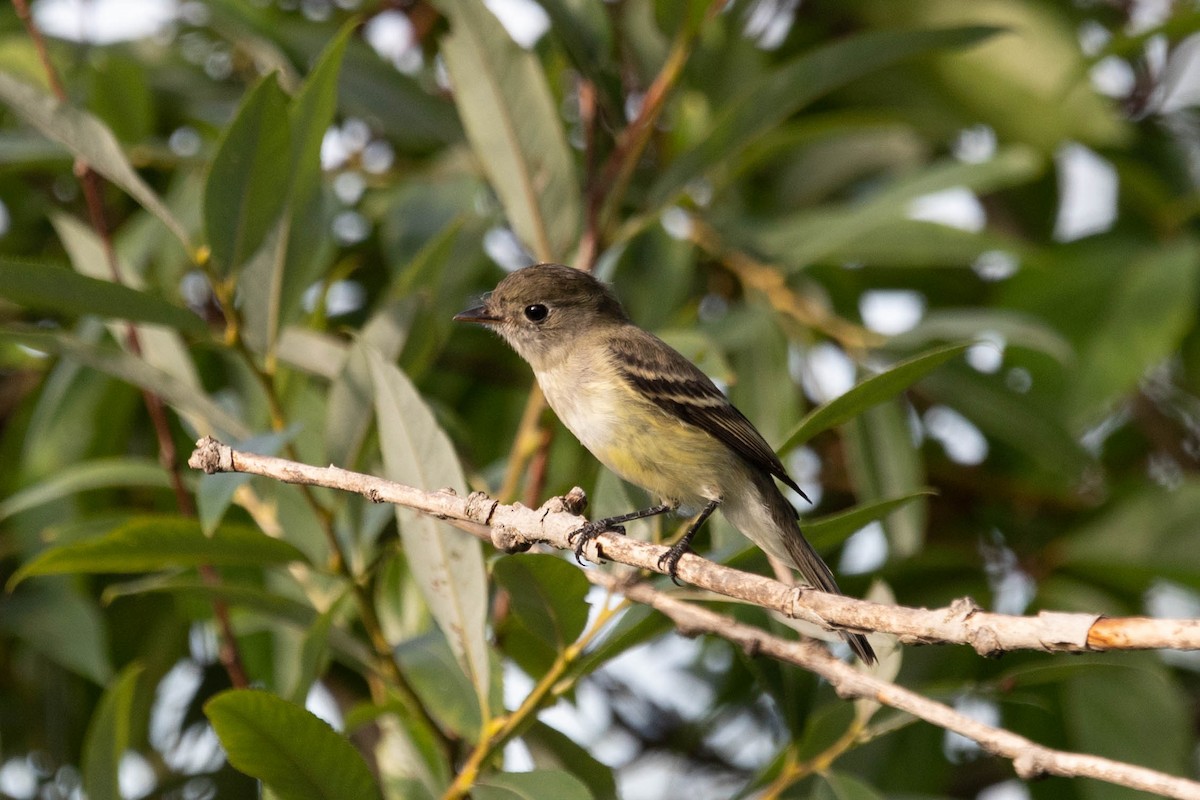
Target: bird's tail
[811,566]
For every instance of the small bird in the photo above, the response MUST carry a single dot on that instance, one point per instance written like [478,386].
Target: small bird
[650,416]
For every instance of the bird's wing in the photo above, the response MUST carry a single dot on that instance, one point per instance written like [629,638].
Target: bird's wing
[678,387]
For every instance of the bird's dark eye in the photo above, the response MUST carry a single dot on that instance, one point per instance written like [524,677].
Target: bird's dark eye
[536,312]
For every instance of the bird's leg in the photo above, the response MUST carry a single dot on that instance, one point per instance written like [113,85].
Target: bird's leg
[670,559]
[590,530]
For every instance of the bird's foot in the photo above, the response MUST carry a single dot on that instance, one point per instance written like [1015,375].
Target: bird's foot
[669,561]
[589,531]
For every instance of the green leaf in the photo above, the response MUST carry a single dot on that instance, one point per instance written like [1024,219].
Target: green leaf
[536,785]
[101,473]
[201,410]
[547,594]
[448,564]
[552,749]
[841,786]
[782,92]
[248,181]
[295,754]
[798,240]
[883,462]
[1127,340]
[514,128]
[870,392]
[109,735]
[1015,328]
[312,113]
[62,291]
[87,138]
[439,682]
[149,543]
[831,530]
[58,622]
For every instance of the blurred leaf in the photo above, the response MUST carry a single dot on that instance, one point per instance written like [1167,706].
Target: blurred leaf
[829,531]
[89,139]
[797,240]
[64,627]
[782,92]
[109,735]
[433,672]
[841,786]
[447,564]
[249,180]
[548,594]
[314,658]
[120,96]
[870,392]
[123,366]
[296,755]
[553,749]
[1133,713]
[150,543]
[62,291]
[514,128]
[920,244]
[1126,341]
[103,473]
[535,785]
[1012,327]
[884,463]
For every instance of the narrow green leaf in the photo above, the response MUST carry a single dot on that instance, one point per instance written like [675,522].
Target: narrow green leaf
[511,120]
[313,110]
[146,544]
[831,530]
[883,462]
[87,138]
[294,753]
[552,749]
[101,473]
[809,236]
[547,594]
[109,735]
[870,392]
[842,786]
[536,785]
[62,291]
[447,564]
[248,181]
[1015,328]
[66,628]
[1127,340]
[782,92]
[202,410]
[432,670]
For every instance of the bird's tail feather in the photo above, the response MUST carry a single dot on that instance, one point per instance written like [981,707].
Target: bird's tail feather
[811,566]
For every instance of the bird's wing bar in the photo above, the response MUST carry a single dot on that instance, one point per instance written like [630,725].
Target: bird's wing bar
[678,387]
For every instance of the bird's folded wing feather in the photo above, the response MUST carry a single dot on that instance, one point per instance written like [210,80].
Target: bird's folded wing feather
[678,387]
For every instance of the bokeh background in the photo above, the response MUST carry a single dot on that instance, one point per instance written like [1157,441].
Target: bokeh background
[797,195]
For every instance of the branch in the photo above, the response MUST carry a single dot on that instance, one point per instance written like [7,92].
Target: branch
[514,528]
[1030,760]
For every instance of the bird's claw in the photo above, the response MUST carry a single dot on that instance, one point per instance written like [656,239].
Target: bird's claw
[669,561]
[589,531]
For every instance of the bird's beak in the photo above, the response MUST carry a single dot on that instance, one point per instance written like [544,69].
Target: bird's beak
[478,314]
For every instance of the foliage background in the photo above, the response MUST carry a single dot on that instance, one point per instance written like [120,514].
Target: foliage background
[325,209]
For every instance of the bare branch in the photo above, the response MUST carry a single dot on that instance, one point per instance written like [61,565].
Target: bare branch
[1030,760]
[515,527]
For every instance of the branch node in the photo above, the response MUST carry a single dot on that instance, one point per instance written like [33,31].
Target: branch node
[211,456]
[1029,766]
[448,490]
[986,642]
[374,496]
[575,501]
[509,539]
[480,507]
[964,608]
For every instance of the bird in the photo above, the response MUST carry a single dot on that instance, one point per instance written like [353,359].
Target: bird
[651,416]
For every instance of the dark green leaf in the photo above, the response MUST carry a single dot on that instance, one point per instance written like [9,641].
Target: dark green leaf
[109,735]
[782,92]
[552,749]
[295,754]
[146,544]
[248,182]
[547,594]
[62,291]
[830,531]
[870,392]
[62,625]
[102,473]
